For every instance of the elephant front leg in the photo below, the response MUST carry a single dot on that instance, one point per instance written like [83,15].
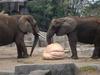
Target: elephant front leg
[21,49]
[72,42]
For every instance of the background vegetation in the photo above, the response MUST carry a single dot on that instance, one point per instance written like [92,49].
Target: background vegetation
[45,10]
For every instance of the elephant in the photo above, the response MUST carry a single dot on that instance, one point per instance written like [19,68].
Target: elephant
[84,29]
[14,27]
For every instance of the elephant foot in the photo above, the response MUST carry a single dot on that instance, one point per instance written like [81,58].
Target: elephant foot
[95,57]
[24,56]
[19,57]
[74,57]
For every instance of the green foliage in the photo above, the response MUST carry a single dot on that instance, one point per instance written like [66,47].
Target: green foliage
[39,6]
[92,9]
[45,10]
[87,69]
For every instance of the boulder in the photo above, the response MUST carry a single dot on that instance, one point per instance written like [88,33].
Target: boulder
[40,72]
[54,69]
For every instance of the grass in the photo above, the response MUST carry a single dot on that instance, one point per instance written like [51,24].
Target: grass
[87,69]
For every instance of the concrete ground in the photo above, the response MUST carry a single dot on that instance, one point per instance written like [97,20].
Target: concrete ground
[8,60]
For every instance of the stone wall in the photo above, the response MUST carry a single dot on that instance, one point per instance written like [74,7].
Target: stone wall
[55,69]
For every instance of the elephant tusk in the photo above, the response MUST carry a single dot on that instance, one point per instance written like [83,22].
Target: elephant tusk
[41,35]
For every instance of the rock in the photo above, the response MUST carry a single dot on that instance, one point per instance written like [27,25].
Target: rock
[54,51]
[39,72]
[7,73]
[55,69]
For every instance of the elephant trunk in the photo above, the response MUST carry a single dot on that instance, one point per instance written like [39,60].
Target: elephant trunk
[34,43]
[35,31]
[49,39]
[50,35]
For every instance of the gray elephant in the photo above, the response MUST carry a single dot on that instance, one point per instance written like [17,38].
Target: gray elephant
[13,29]
[78,29]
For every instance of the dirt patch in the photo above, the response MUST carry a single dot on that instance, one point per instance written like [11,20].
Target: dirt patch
[8,59]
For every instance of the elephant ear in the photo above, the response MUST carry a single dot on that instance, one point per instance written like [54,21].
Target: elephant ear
[57,22]
[25,24]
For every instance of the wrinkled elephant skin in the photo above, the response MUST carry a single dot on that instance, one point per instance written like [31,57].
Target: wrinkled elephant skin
[78,29]
[13,29]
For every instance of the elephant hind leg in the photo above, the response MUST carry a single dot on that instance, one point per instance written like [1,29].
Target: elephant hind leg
[96,53]
[21,49]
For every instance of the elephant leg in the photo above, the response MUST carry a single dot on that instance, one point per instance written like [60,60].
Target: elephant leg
[96,52]
[21,49]
[72,42]
[99,52]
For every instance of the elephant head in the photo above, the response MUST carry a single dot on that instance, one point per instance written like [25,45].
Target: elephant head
[28,24]
[60,26]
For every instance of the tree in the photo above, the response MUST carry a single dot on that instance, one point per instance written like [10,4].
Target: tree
[92,9]
[45,10]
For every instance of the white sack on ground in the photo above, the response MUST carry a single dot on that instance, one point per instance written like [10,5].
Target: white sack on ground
[54,51]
